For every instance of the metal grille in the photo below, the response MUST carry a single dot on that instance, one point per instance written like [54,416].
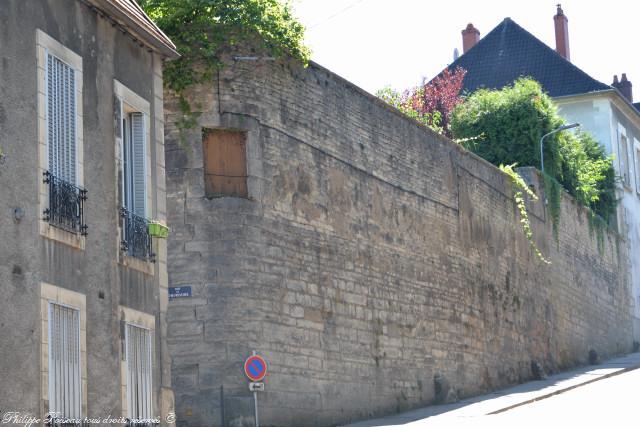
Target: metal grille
[66,205]
[136,240]
[65,388]
[61,119]
[139,390]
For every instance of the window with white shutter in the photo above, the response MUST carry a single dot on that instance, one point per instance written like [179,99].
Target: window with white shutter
[134,146]
[65,379]
[139,372]
[61,118]
[132,130]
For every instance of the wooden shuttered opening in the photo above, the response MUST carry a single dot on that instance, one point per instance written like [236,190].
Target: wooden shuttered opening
[225,163]
[138,163]
[134,163]
[65,390]
[61,119]
[139,373]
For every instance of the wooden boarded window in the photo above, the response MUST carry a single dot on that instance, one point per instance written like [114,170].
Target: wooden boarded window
[225,163]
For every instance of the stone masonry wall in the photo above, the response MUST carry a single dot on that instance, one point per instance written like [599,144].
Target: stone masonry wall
[371,256]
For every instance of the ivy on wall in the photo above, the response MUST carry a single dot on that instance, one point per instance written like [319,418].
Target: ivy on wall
[507,125]
[201,28]
[520,188]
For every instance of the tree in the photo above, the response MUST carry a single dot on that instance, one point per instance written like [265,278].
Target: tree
[201,28]
[507,125]
[431,103]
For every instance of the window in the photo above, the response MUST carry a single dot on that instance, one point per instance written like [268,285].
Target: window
[134,184]
[139,371]
[624,160]
[65,379]
[225,163]
[637,164]
[61,119]
[131,120]
[60,140]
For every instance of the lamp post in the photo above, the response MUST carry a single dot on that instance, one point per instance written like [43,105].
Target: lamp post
[561,128]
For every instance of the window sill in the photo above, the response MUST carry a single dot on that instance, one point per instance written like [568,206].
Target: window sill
[146,267]
[51,232]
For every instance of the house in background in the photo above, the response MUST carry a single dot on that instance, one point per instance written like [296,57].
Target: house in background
[82,318]
[606,111]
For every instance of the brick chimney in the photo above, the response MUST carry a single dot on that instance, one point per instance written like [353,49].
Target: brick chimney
[562,34]
[470,36]
[624,86]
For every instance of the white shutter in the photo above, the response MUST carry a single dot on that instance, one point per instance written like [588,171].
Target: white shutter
[139,372]
[61,119]
[65,391]
[138,164]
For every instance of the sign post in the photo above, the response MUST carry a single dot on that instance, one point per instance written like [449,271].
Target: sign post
[255,368]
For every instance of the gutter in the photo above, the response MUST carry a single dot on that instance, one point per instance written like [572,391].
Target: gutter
[137,24]
[619,100]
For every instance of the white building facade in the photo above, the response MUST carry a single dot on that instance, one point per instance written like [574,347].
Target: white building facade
[615,123]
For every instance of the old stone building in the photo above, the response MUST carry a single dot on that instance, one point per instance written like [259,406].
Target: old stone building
[84,284]
[363,256]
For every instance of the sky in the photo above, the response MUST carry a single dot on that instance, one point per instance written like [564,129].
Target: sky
[397,43]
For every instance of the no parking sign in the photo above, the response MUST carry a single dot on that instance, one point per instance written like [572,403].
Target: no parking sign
[255,368]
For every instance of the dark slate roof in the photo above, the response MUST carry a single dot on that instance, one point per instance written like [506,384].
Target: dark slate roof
[509,51]
[637,105]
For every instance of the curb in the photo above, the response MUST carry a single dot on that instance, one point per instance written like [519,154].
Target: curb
[555,393]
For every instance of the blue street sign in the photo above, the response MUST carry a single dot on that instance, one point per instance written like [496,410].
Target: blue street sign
[179,292]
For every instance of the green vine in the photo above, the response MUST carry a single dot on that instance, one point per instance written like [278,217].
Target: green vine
[553,194]
[597,226]
[520,189]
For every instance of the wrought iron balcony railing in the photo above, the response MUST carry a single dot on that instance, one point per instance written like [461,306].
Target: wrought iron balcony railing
[66,205]
[136,240]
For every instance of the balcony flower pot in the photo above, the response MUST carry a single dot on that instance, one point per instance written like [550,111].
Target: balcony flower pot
[157,229]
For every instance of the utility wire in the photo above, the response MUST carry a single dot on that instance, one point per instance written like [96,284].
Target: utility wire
[338,13]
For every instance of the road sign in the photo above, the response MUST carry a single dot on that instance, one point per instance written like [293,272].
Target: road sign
[256,386]
[255,368]
[179,292]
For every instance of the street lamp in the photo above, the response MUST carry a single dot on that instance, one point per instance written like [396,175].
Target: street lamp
[561,128]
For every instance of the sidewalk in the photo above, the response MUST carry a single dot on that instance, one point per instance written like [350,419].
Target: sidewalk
[504,400]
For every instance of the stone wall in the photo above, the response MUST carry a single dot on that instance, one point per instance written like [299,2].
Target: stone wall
[371,256]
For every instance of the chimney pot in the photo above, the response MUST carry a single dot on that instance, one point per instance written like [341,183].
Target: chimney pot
[470,36]
[561,24]
[624,86]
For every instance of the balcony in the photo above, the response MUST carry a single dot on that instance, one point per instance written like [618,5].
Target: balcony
[136,240]
[66,205]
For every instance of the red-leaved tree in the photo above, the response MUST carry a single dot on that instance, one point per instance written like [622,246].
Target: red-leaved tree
[432,102]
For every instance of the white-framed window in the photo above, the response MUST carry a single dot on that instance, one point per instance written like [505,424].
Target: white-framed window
[60,111]
[139,372]
[61,106]
[134,154]
[133,158]
[64,352]
[623,147]
[60,141]
[65,362]
[636,149]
